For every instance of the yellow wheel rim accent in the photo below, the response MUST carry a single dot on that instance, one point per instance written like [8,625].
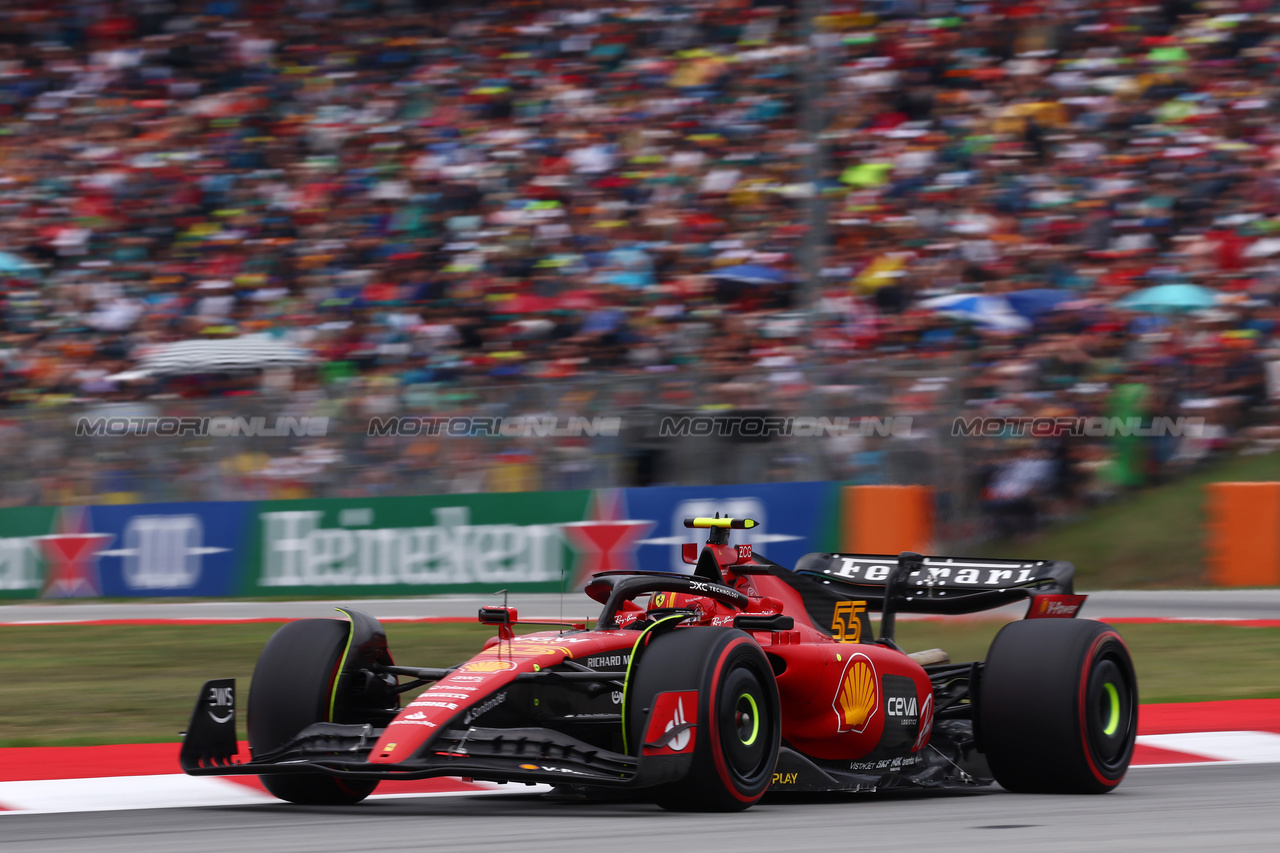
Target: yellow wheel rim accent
[1114,722]
[755,720]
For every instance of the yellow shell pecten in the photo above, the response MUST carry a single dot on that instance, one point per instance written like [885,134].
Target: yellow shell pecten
[858,695]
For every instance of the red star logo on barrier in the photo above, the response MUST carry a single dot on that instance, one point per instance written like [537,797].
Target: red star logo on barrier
[606,542]
[71,555]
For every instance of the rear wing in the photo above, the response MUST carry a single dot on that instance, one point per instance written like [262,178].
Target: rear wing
[940,585]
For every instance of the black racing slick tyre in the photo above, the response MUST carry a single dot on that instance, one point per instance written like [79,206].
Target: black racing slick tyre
[1058,708]
[292,688]
[738,725]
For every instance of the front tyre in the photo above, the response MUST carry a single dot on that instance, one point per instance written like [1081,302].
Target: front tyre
[1058,711]
[292,688]
[739,726]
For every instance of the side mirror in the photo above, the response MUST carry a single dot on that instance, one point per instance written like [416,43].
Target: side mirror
[774,622]
[497,615]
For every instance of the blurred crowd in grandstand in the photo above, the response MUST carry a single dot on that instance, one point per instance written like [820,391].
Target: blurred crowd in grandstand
[450,204]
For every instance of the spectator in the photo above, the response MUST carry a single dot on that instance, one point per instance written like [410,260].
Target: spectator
[447,202]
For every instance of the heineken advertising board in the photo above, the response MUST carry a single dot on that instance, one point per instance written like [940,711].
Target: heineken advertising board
[418,546]
[528,542]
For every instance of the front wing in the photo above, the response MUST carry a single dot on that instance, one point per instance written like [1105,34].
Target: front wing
[210,748]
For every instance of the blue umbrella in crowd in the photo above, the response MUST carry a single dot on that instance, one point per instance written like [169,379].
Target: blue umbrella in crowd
[1041,300]
[14,265]
[983,309]
[751,274]
[601,322]
[1169,299]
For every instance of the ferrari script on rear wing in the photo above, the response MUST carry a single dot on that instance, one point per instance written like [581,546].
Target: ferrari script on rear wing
[940,584]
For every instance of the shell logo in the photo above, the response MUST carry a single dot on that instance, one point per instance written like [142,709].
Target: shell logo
[858,697]
[487,666]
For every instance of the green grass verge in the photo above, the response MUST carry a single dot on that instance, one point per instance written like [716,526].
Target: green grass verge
[1152,538]
[95,684]
[99,684]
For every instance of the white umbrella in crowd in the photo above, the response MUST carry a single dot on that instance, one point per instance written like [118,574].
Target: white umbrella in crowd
[250,352]
[983,309]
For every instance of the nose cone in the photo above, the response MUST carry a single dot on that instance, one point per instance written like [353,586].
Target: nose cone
[471,690]
[453,697]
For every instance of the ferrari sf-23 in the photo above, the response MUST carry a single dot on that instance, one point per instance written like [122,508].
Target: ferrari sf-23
[703,691]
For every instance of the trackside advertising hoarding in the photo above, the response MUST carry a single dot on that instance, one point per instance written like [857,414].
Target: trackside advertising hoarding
[175,549]
[528,541]
[412,546]
[22,546]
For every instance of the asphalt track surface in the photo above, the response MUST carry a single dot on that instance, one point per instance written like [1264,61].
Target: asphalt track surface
[1167,809]
[1106,604]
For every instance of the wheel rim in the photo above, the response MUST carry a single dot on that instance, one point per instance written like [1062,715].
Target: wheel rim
[1110,706]
[745,724]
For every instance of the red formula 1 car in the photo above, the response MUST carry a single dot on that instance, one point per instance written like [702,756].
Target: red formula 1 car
[704,691]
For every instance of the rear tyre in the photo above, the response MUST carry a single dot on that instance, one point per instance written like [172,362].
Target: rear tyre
[292,688]
[1058,709]
[738,727]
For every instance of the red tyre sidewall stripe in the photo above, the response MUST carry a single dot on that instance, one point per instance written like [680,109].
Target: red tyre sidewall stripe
[713,722]
[1084,720]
